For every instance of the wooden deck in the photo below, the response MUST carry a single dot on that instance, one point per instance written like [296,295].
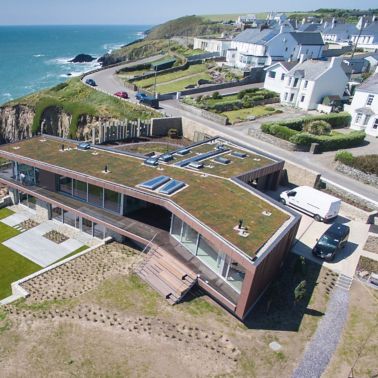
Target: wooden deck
[166,274]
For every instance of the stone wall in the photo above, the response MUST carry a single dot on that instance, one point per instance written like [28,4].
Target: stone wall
[358,175]
[204,114]
[192,130]
[286,145]
[297,175]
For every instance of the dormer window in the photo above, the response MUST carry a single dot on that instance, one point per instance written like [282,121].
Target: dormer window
[370,100]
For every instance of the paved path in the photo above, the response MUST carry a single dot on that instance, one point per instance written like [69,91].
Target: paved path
[323,344]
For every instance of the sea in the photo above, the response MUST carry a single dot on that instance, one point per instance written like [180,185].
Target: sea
[37,57]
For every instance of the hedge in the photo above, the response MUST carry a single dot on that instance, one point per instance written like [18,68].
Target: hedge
[330,142]
[278,130]
[336,120]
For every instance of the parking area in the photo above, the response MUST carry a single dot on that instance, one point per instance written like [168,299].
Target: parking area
[347,259]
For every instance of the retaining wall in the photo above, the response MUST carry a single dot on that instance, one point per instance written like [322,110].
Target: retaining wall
[161,126]
[358,175]
[205,114]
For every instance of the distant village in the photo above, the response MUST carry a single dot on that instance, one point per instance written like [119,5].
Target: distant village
[315,64]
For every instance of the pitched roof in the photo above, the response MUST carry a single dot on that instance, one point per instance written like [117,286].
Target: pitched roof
[285,64]
[310,69]
[340,29]
[371,29]
[256,36]
[370,85]
[308,38]
[309,27]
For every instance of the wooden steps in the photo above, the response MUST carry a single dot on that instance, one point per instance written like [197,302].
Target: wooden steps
[167,275]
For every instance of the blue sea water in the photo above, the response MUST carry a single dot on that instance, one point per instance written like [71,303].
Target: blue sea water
[36,57]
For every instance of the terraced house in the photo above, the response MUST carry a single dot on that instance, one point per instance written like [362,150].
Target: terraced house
[198,211]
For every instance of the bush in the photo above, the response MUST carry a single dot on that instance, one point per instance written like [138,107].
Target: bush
[278,130]
[317,128]
[344,157]
[257,98]
[246,92]
[270,108]
[216,96]
[330,142]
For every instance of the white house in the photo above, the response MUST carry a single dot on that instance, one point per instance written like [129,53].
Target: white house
[307,83]
[364,107]
[335,32]
[261,47]
[220,45]
[367,38]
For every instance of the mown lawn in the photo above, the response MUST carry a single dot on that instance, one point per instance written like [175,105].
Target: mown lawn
[12,265]
[180,85]
[243,114]
[5,212]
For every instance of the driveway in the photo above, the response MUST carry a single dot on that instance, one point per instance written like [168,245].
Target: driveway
[347,259]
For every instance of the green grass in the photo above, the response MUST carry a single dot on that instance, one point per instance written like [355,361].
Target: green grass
[7,232]
[164,78]
[13,267]
[180,85]
[81,249]
[5,212]
[243,114]
[200,307]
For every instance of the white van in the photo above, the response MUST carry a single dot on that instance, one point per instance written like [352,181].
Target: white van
[320,205]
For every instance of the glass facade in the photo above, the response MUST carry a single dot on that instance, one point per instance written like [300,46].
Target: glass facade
[65,185]
[80,190]
[95,195]
[232,272]
[112,200]
[28,200]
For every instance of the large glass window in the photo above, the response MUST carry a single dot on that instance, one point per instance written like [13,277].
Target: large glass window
[207,255]
[189,238]
[26,174]
[95,195]
[71,219]
[57,213]
[112,201]
[234,274]
[65,185]
[86,226]
[176,227]
[98,230]
[80,189]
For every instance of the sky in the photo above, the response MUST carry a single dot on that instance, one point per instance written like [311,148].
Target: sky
[147,12]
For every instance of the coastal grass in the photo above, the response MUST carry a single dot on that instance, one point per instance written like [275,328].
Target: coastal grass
[77,99]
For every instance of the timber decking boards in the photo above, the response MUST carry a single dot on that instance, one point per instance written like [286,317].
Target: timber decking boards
[166,275]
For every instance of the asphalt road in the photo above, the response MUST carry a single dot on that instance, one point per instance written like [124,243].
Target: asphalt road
[108,82]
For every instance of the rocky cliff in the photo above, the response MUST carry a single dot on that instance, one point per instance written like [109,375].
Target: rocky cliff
[16,123]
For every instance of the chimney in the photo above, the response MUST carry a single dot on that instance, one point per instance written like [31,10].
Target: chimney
[303,21]
[333,22]
[282,28]
[301,58]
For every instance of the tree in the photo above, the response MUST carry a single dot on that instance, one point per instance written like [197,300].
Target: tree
[300,291]
[216,96]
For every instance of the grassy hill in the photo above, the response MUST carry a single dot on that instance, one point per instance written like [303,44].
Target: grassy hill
[77,99]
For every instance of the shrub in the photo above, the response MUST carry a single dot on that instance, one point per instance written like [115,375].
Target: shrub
[330,142]
[270,108]
[344,157]
[278,130]
[257,98]
[317,128]
[247,102]
[216,96]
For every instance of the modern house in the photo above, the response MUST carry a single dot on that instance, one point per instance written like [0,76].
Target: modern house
[306,84]
[261,47]
[364,106]
[219,45]
[198,210]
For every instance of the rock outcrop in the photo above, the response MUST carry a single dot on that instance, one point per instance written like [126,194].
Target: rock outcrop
[82,58]
[15,123]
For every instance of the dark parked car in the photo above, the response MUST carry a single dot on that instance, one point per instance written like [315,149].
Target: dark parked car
[140,96]
[90,82]
[121,94]
[150,101]
[334,239]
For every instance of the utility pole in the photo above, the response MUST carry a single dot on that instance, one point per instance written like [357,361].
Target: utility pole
[358,37]
[155,81]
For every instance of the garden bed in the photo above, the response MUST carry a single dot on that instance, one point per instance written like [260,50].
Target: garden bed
[371,244]
[55,237]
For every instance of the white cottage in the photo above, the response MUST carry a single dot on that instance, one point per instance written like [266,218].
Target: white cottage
[364,107]
[305,84]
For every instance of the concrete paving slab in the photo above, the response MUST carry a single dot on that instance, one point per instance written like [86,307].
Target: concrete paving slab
[32,245]
[346,260]
[14,219]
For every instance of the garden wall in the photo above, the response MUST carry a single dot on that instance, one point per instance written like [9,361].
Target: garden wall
[358,175]
[205,114]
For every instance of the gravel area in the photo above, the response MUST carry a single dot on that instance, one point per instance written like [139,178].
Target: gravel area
[372,244]
[323,344]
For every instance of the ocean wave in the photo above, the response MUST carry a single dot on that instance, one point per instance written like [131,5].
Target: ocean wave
[7,95]
[38,55]
[109,47]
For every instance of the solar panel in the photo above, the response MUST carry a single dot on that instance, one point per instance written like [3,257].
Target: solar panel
[155,182]
[238,154]
[171,187]
[222,160]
